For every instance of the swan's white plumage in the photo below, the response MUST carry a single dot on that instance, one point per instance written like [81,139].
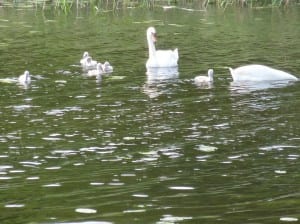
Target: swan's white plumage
[159,58]
[90,64]
[259,73]
[107,68]
[84,58]
[25,78]
[87,62]
[205,79]
[96,72]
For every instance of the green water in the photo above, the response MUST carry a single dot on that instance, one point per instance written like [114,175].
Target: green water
[126,150]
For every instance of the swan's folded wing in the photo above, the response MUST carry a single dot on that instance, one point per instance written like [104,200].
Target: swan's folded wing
[166,58]
[176,55]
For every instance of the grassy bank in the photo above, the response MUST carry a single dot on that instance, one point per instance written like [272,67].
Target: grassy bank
[66,5]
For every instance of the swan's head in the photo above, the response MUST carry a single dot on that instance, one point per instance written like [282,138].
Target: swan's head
[25,78]
[88,59]
[106,64]
[151,33]
[85,54]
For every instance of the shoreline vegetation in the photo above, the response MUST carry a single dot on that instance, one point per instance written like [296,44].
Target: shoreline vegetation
[100,5]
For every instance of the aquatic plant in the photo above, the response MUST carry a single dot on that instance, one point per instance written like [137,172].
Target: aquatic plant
[64,5]
[252,3]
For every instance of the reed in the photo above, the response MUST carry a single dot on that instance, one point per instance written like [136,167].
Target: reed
[67,5]
[254,3]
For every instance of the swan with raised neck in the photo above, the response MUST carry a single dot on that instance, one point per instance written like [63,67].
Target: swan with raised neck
[205,79]
[159,58]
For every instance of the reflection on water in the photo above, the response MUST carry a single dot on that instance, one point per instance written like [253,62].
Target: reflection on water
[158,74]
[158,80]
[204,85]
[251,86]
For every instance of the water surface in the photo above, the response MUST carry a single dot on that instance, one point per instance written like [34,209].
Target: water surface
[129,149]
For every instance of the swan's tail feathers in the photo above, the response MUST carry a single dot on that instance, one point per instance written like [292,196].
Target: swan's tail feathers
[176,53]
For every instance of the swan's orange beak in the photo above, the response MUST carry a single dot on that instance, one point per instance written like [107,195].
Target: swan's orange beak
[154,37]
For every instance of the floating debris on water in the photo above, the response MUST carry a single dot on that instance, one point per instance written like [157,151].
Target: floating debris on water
[52,185]
[96,184]
[14,206]
[86,210]
[32,178]
[140,195]
[183,188]
[288,219]
[280,171]
[172,219]
[207,148]
[134,211]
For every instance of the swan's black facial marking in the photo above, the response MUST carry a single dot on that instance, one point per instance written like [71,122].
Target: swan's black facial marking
[154,37]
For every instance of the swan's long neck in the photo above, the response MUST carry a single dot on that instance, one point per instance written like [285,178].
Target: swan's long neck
[151,46]
[232,72]
[210,75]
[27,76]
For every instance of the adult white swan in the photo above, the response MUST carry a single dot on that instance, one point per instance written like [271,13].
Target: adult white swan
[159,58]
[205,79]
[259,73]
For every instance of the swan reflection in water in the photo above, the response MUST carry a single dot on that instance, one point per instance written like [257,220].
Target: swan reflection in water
[251,86]
[157,78]
[155,74]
